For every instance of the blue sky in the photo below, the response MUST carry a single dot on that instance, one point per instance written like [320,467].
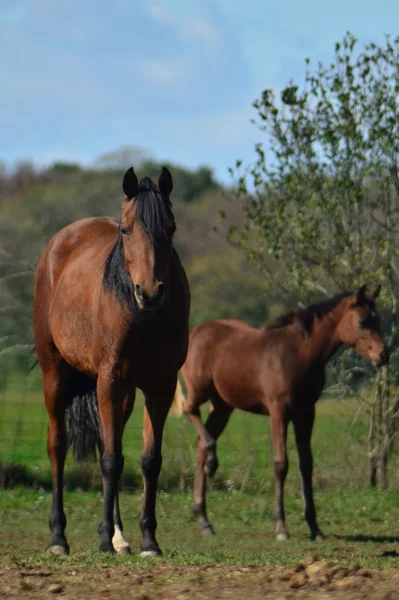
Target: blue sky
[177,77]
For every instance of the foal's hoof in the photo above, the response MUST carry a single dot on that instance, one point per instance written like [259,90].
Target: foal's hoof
[207,531]
[318,537]
[58,550]
[282,536]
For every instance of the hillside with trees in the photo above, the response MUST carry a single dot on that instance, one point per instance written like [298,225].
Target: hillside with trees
[36,203]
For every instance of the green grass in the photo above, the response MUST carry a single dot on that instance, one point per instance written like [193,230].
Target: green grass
[361,527]
[360,523]
[244,450]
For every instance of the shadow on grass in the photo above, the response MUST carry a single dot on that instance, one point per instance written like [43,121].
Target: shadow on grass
[84,477]
[87,477]
[378,539]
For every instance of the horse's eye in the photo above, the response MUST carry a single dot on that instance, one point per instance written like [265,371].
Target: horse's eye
[123,231]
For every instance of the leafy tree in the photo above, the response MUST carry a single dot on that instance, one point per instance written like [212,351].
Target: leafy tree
[223,287]
[320,204]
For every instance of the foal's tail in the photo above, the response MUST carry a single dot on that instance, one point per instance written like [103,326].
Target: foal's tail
[83,421]
[178,401]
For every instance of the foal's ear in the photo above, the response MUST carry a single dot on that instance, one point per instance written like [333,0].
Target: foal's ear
[375,293]
[130,183]
[165,182]
[361,295]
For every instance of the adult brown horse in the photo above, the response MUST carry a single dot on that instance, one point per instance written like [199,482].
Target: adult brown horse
[111,314]
[277,370]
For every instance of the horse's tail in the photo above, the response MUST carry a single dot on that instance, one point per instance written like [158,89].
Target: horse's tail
[83,421]
[178,401]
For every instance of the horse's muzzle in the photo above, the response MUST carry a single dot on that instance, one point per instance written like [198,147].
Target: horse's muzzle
[149,302]
[384,358]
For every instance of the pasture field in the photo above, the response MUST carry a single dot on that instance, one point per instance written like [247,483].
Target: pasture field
[359,559]
[245,455]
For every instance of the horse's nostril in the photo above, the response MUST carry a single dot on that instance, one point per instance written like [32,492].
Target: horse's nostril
[160,291]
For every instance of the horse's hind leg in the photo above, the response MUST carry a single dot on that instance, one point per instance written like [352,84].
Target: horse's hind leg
[111,391]
[303,425]
[121,546]
[192,411]
[279,425]
[207,462]
[55,396]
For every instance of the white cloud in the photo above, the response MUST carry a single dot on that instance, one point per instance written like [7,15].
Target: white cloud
[203,29]
[162,14]
[194,25]
[165,72]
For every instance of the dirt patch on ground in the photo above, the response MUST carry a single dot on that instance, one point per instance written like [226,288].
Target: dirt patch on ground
[308,579]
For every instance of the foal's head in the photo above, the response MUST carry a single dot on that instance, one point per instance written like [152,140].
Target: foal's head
[359,327]
[147,226]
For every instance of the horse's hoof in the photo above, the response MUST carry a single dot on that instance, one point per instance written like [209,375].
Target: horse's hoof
[282,536]
[106,547]
[123,550]
[207,531]
[150,553]
[58,550]
[319,537]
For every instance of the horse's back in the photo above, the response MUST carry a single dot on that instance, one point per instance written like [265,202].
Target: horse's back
[74,240]
[72,256]
[219,352]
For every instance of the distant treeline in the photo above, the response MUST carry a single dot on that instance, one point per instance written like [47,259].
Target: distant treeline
[35,203]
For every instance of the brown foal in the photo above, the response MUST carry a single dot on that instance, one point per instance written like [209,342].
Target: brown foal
[277,370]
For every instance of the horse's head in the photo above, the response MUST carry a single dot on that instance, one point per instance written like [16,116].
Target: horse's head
[147,226]
[359,327]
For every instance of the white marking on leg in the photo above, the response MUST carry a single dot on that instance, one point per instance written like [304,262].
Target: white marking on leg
[119,543]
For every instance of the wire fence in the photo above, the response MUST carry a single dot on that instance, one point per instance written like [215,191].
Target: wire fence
[23,438]
[244,449]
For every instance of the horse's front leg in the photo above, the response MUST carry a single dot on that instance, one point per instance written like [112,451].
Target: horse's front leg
[111,391]
[54,385]
[158,400]
[303,425]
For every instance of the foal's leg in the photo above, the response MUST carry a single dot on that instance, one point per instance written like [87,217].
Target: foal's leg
[279,424]
[215,424]
[54,387]
[121,546]
[157,404]
[303,425]
[192,411]
[110,393]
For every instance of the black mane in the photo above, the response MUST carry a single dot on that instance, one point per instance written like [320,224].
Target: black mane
[152,214]
[116,279]
[305,317]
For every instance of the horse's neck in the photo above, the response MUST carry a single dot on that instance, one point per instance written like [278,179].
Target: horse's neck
[324,342]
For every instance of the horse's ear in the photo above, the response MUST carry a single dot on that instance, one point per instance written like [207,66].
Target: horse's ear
[165,182]
[375,293]
[130,183]
[361,295]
